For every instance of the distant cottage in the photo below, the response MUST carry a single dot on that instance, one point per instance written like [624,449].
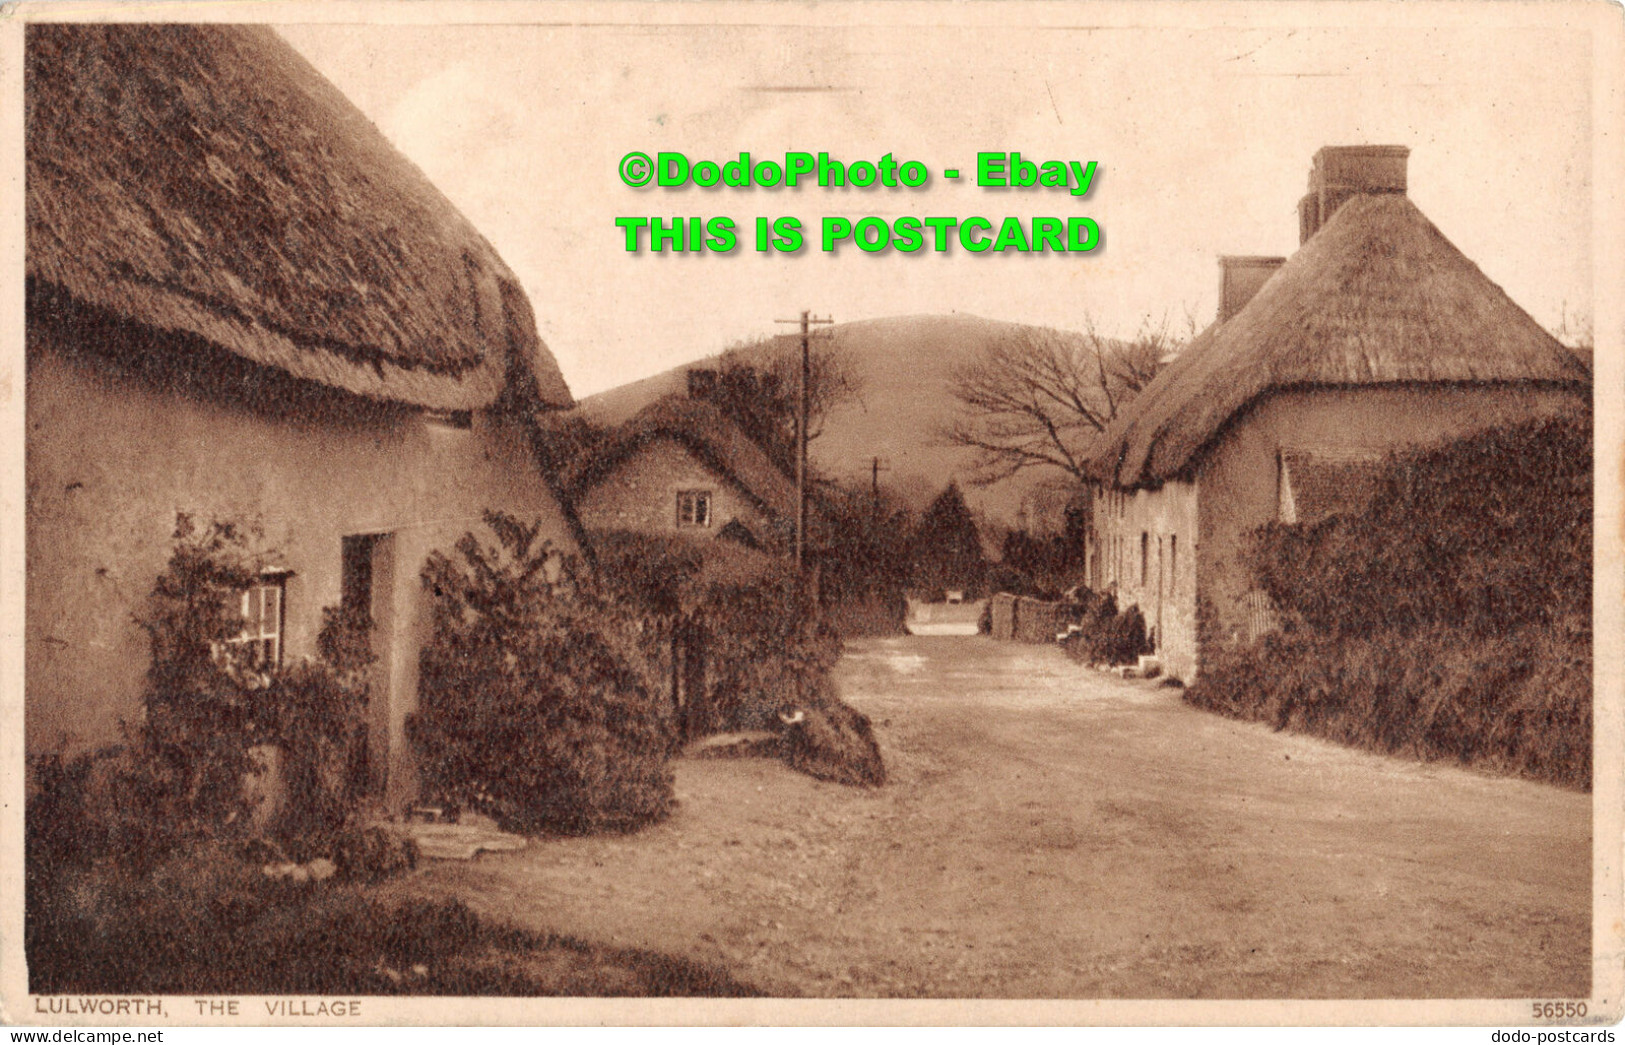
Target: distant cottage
[1378,334]
[679,466]
[245,305]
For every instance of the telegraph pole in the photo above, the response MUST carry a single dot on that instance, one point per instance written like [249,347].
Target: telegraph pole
[807,322]
[875,469]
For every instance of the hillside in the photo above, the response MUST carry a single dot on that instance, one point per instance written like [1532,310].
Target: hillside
[904,364]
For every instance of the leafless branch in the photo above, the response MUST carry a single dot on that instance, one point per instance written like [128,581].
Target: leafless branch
[1040,398]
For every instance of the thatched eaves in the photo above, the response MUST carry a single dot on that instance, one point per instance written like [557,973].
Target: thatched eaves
[701,429]
[1377,297]
[205,179]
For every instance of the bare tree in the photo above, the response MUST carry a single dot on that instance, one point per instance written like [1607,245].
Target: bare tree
[757,385]
[1576,333]
[1041,397]
[835,380]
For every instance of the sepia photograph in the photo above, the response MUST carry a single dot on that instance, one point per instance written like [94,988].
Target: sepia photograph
[1069,513]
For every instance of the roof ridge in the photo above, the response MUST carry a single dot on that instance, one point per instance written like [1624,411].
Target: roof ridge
[1377,296]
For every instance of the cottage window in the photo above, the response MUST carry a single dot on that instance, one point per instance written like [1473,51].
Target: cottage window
[1145,558]
[263,612]
[1173,562]
[693,508]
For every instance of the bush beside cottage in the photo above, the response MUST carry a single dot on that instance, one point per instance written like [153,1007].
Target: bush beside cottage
[1450,621]
[747,646]
[154,867]
[539,701]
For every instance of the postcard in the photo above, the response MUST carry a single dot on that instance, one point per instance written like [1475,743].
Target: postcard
[1063,513]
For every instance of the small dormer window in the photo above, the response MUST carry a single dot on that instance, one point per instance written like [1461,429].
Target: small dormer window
[693,508]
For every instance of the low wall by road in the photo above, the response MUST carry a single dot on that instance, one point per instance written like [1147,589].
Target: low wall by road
[1017,618]
[943,618]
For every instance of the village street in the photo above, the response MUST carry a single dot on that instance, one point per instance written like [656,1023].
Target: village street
[1053,832]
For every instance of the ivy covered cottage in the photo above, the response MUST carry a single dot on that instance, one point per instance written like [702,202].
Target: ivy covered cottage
[1377,335]
[243,304]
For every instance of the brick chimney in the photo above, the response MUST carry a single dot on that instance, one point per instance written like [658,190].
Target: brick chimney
[1240,276]
[1341,171]
[701,383]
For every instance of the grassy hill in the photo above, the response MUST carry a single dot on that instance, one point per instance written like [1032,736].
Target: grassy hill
[904,363]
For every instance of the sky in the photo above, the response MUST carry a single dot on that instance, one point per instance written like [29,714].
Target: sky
[1202,136]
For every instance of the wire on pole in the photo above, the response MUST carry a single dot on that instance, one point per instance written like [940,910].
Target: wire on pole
[806,322]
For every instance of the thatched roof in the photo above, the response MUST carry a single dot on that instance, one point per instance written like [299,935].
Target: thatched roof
[1377,296]
[207,180]
[703,431]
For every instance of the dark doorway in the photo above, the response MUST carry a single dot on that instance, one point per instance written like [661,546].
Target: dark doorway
[365,588]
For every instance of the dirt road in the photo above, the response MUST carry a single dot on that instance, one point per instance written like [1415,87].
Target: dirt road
[1053,832]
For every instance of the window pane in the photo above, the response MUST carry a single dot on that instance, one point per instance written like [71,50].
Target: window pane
[271,621]
[694,508]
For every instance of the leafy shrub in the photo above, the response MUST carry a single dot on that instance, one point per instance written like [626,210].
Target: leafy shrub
[859,545]
[101,804]
[766,648]
[315,715]
[372,854]
[834,742]
[880,615]
[1519,702]
[1103,635]
[1486,533]
[536,702]
[201,717]
[1451,621]
[179,779]
[1045,565]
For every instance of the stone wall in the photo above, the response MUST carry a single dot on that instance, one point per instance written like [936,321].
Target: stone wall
[1017,618]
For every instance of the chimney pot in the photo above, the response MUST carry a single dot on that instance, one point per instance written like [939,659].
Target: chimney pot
[1343,171]
[701,383]
[1240,277]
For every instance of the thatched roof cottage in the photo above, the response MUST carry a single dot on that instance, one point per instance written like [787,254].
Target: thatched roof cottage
[679,466]
[1378,334]
[245,305]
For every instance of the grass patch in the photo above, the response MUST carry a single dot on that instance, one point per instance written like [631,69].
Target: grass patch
[1519,703]
[207,922]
